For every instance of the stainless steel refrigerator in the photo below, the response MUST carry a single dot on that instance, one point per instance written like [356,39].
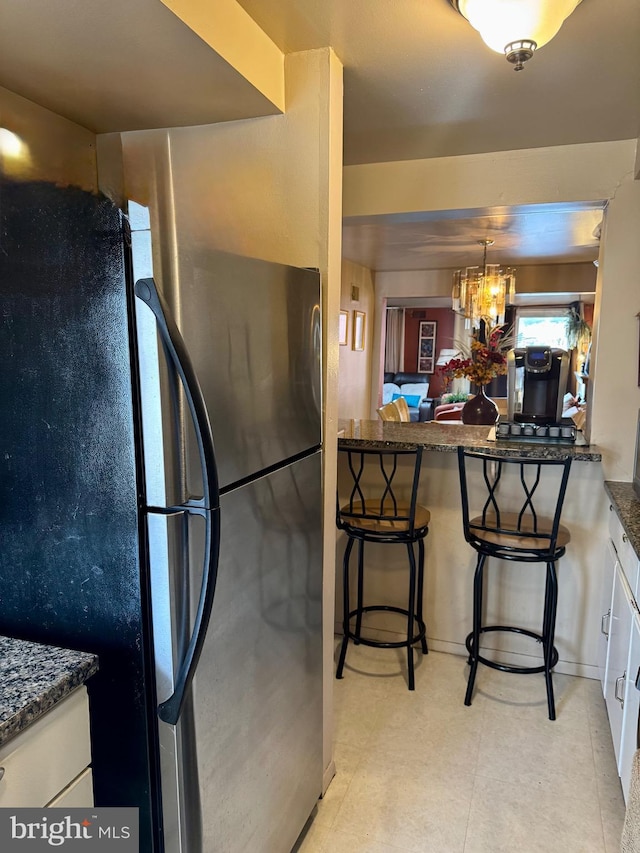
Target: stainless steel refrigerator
[231,426]
[200,594]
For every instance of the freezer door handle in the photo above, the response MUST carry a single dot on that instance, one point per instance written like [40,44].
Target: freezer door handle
[146,290]
[169,710]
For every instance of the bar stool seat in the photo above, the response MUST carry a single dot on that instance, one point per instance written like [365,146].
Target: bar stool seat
[385,523]
[377,511]
[509,527]
[510,536]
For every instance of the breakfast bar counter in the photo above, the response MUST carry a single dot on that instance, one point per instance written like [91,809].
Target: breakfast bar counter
[513,595]
[444,437]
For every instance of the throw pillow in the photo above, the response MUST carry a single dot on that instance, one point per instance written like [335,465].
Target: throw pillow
[413,400]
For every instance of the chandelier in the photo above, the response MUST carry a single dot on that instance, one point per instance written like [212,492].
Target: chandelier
[516,27]
[481,292]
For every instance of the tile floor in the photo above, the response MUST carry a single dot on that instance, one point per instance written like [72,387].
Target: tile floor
[421,773]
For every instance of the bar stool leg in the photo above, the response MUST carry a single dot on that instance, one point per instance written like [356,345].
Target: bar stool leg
[410,611]
[360,591]
[425,649]
[345,605]
[477,620]
[548,632]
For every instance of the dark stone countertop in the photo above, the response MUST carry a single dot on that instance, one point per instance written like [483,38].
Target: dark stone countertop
[444,437]
[34,678]
[626,504]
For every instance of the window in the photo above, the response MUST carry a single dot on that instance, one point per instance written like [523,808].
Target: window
[546,326]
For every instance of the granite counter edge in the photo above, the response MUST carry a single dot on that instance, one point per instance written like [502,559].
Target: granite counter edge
[627,506]
[31,701]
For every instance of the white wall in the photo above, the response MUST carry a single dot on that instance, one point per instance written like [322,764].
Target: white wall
[615,396]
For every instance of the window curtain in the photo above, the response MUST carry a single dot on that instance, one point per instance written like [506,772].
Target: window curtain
[394,343]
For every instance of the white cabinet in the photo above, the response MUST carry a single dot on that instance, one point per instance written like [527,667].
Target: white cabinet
[610,563]
[622,610]
[620,646]
[48,763]
[629,738]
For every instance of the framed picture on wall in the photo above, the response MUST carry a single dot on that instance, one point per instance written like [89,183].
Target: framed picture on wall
[343,328]
[359,318]
[427,346]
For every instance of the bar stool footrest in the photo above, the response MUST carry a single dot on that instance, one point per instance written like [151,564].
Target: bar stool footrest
[380,644]
[503,667]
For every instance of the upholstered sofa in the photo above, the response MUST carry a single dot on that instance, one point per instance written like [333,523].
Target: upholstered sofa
[414,387]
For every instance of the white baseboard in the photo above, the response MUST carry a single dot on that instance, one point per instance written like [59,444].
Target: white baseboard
[327,776]
[565,667]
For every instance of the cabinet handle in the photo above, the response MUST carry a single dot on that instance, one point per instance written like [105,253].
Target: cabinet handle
[625,538]
[615,692]
[637,681]
[606,616]
[1,773]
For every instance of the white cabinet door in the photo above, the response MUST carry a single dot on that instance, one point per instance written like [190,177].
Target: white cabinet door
[44,758]
[622,610]
[629,742]
[610,560]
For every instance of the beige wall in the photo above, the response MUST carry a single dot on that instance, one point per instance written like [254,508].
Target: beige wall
[54,149]
[355,366]
[599,171]
[271,188]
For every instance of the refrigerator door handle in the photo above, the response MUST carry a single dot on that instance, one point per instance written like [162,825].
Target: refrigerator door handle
[169,710]
[146,290]
[209,507]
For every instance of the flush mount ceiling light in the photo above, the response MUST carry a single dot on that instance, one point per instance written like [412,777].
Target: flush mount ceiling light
[481,292]
[516,27]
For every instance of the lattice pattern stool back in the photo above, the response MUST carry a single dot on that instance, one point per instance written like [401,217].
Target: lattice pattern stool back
[381,506]
[511,510]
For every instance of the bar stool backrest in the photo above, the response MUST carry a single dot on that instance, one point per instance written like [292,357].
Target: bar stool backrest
[401,404]
[512,515]
[379,500]
[396,410]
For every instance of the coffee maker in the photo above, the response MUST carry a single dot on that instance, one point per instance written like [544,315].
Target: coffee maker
[536,384]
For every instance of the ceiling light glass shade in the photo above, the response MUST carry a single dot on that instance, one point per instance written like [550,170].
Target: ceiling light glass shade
[483,292]
[502,22]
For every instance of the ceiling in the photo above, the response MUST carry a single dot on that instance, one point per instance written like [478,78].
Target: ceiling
[419,82]
[531,234]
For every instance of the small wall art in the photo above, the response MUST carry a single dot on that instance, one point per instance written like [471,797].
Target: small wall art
[427,346]
[343,328]
[359,320]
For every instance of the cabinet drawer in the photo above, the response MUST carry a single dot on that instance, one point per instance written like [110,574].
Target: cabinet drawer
[626,555]
[48,755]
[79,794]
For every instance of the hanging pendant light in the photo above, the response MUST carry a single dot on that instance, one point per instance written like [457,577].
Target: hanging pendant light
[516,27]
[483,292]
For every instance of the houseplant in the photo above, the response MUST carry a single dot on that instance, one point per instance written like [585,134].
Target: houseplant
[481,361]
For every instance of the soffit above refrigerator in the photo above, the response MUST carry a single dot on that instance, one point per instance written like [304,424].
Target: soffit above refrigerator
[110,65]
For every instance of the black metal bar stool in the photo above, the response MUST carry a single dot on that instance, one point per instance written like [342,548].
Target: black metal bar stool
[377,510]
[507,526]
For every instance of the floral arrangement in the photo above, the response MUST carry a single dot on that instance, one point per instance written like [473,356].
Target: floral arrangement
[485,359]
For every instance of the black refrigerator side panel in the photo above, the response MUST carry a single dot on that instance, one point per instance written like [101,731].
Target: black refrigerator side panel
[69,558]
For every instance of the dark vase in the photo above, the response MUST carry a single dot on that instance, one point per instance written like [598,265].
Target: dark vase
[480,410]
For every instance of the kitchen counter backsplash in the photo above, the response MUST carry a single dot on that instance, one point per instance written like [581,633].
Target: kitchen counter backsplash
[34,678]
